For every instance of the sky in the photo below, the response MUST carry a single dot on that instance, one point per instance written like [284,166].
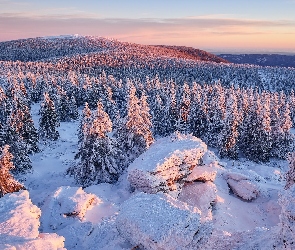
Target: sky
[212,25]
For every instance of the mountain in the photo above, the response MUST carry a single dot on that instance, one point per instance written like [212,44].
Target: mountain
[41,48]
[274,60]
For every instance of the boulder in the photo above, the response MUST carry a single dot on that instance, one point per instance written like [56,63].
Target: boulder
[65,206]
[200,195]
[241,186]
[165,166]
[19,225]
[158,221]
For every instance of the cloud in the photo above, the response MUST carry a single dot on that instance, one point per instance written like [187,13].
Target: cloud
[201,31]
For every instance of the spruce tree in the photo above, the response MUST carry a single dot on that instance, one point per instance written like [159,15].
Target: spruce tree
[228,137]
[49,120]
[135,136]
[7,183]
[198,110]
[22,123]
[98,153]
[182,124]
[290,175]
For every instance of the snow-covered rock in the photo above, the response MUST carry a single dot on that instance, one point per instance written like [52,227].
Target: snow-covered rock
[158,221]
[200,195]
[202,173]
[19,225]
[166,164]
[65,206]
[241,186]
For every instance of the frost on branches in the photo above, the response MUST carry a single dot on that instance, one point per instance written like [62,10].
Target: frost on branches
[7,183]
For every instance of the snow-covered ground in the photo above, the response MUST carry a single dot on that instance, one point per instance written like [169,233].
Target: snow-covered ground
[98,216]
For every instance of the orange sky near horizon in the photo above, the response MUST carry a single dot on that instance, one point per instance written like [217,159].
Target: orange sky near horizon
[216,26]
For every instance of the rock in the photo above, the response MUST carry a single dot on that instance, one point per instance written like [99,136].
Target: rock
[200,195]
[166,164]
[19,225]
[202,173]
[242,187]
[66,205]
[158,221]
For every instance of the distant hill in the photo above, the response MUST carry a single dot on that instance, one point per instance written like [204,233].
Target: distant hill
[42,48]
[196,54]
[261,59]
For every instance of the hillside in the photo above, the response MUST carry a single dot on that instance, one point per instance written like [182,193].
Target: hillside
[40,48]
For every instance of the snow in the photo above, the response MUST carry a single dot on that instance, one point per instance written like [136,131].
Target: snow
[19,225]
[160,222]
[202,173]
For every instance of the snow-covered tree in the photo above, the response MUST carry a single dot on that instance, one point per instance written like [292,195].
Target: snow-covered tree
[182,124]
[48,120]
[135,136]
[290,175]
[99,156]
[255,139]
[22,123]
[7,183]
[198,111]
[286,235]
[229,134]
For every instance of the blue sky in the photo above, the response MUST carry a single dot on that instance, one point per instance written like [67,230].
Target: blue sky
[214,25]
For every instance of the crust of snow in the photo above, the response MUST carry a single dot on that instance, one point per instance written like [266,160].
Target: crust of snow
[200,195]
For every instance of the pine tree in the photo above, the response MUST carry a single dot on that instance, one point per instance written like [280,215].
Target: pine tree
[215,115]
[85,123]
[7,183]
[73,109]
[146,117]
[98,153]
[158,116]
[255,140]
[49,120]
[63,107]
[286,140]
